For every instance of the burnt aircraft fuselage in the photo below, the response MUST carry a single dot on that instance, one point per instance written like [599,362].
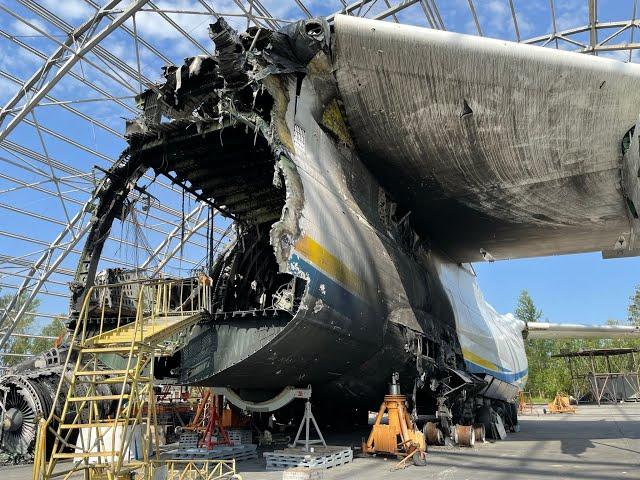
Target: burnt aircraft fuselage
[326,282]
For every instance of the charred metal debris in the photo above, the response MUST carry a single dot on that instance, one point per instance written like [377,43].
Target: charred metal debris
[226,142]
[216,128]
[226,130]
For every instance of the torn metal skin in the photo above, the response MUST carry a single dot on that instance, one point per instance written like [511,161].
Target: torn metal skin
[331,280]
[326,282]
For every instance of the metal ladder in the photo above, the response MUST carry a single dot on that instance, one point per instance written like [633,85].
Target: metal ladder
[109,402]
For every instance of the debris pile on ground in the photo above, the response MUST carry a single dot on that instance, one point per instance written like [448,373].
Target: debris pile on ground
[7,458]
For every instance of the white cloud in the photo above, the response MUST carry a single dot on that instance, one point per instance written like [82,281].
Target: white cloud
[161,34]
[471,28]
[7,60]
[119,48]
[525,25]
[7,89]
[70,9]
[500,20]
[620,55]
[290,11]
[17,61]
[571,13]
[152,25]
[497,8]
[21,28]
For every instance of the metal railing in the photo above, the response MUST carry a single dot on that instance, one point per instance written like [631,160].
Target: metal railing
[160,303]
[151,298]
[165,310]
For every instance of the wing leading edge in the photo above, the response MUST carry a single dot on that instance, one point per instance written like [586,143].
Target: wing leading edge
[537,330]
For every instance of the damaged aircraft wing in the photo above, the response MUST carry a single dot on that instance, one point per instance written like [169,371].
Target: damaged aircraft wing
[499,150]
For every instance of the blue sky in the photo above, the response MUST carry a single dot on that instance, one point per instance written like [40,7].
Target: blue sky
[578,288]
[568,289]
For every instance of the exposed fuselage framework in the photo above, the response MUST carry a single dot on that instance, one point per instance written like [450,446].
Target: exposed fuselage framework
[340,289]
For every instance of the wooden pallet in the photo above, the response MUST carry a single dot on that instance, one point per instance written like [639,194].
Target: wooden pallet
[302,473]
[239,436]
[321,458]
[220,452]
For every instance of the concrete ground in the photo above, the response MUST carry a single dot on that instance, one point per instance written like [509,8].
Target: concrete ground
[596,443]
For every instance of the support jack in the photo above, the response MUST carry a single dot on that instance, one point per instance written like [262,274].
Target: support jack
[306,422]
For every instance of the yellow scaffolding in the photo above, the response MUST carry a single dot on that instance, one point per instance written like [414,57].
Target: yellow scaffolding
[109,401]
[194,469]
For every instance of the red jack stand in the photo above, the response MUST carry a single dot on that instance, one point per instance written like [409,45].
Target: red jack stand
[215,433]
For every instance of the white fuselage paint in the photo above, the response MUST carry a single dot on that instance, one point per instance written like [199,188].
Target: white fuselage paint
[491,342]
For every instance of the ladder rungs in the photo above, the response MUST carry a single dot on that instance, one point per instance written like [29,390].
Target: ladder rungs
[97,398]
[120,379]
[129,379]
[88,373]
[117,340]
[85,454]
[124,348]
[106,423]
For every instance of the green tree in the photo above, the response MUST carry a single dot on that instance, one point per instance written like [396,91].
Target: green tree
[18,345]
[526,309]
[547,375]
[634,308]
[535,349]
[55,328]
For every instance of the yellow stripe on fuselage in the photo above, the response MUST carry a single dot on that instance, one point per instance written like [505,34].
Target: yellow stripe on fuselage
[478,360]
[324,260]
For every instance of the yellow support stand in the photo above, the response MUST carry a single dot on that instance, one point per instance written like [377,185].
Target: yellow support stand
[399,436]
[561,404]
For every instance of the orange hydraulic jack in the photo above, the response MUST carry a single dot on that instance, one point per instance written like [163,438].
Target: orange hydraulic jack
[400,436]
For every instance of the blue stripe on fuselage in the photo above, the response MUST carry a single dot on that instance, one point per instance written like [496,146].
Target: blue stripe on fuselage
[335,295]
[352,306]
[509,377]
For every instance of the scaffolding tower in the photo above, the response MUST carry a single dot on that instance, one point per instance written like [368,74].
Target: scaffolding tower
[604,374]
[107,423]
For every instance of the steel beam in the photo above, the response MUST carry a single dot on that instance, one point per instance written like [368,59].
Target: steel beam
[187,235]
[100,52]
[63,69]
[51,61]
[14,147]
[593,20]
[29,335]
[167,240]
[395,9]
[72,74]
[49,267]
[68,108]
[40,314]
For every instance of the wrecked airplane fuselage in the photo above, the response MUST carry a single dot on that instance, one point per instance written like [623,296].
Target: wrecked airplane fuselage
[326,282]
[323,264]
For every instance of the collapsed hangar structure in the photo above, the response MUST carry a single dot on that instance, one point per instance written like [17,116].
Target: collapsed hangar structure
[199,180]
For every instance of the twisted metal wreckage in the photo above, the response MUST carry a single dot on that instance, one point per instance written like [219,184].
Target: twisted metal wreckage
[364,165]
